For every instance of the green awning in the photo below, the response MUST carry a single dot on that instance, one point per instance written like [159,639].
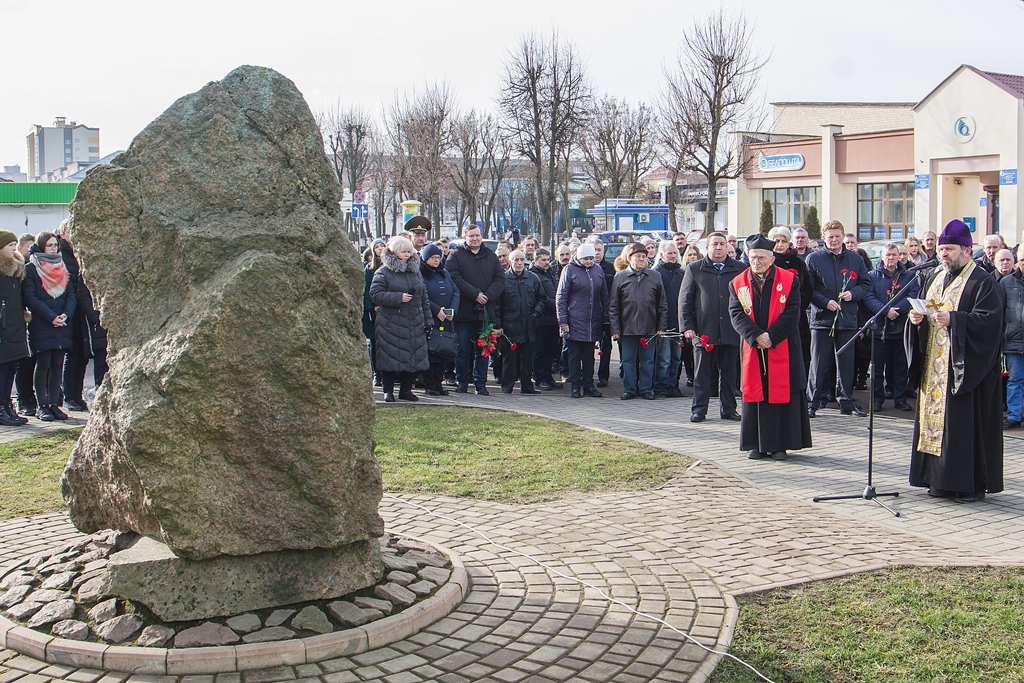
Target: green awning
[37,193]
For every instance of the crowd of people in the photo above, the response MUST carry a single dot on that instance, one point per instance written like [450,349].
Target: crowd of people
[776,320]
[49,329]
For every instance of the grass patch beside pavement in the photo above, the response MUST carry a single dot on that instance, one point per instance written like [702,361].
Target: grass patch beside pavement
[30,473]
[509,457]
[902,625]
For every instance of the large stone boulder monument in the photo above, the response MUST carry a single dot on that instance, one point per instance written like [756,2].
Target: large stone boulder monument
[235,427]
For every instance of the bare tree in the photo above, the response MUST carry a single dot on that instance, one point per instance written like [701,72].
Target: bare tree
[384,187]
[419,138]
[673,143]
[544,101]
[348,134]
[468,166]
[712,85]
[618,145]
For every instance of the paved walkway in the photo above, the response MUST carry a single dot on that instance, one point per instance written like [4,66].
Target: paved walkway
[727,525]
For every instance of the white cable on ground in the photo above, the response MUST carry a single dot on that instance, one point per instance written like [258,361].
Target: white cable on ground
[579,581]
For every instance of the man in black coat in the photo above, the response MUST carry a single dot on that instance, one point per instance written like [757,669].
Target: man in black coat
[840,279]
[670,355]
[545,351]
[520,306]
[638,310]
[605,345]
[704,316]
[480,278]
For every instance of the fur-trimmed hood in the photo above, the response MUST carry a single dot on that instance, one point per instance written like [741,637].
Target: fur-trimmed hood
[397,265]
[12,266]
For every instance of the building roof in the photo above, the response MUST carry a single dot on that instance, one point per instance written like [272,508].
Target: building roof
[844,104]
[37,193]
[1009,83]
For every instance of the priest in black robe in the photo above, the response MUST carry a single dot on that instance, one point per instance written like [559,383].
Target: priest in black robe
[955,365]
[765,307]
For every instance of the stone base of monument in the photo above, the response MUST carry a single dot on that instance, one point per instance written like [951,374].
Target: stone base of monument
[56,612]
[176,589]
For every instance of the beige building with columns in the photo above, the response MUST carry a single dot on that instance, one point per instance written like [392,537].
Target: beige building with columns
[889,170]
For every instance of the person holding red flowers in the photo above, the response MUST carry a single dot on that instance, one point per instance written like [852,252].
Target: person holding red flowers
[638,310]
[517,311]
[840,281]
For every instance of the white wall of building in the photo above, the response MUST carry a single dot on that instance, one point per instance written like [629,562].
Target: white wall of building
[38,216]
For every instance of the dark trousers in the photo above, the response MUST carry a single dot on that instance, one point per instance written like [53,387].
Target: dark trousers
[8,371]
[545,351]
[470,366]
[24,382]
[516,364]
[563,359]
[727,359]
[581,364]
[49,366]
[75,364]
[824,358]
[891,356]
[99,366]
[687,359]
[434,375]
[605,356]
[404,380]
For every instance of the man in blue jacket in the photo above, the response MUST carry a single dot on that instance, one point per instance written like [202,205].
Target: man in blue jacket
[888,280]
[840,281]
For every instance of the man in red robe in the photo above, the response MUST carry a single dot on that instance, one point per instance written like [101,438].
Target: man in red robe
[764,304]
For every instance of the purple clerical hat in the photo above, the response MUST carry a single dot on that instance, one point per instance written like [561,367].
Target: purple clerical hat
[956,232]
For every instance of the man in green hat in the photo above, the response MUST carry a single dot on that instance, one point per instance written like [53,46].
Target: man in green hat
[418,226]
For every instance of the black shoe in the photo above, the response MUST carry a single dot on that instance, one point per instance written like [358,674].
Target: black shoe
[576,393]
[970,497]
[506,391]
[591,392]
[77,406]
[389,397]
[433,392]
[689,382]
[461,389]
[714,393]
[628,396]
[482,391]
[878,406]
[546,386]
[674,392]
[27,410]
[557,385]
[1010,424]
[44,414]
[442,392]
[57,412]
[904,406]
[853,410]
[528,391]
[735,417]
[602,383]
[649,395]
[779,455]
[658,394]
[812,411]
[756,455]
[7,421]
[376,381]
[9,410]
[888,394]
[696,417]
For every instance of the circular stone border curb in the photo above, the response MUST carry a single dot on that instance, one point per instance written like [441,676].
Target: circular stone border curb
[232,658]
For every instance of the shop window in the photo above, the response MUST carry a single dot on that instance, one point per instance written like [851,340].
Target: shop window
[790,204]
[885,211]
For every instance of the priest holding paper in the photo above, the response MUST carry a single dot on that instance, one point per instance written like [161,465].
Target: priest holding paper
[954,362]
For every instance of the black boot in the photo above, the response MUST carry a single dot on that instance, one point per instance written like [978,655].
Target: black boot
[44,414]
[9,410]
[57,412]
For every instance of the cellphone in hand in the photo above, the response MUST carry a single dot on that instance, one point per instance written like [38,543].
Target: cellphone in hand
[448,312]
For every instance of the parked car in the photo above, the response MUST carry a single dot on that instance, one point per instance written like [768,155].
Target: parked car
[627,236]
[874,249]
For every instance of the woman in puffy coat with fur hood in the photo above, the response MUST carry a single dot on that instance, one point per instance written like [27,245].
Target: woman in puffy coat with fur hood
[403,318]
[13,319]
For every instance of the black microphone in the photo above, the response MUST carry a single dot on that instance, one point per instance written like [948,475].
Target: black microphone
[930,263]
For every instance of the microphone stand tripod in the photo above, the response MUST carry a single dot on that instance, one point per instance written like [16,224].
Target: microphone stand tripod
[869,491]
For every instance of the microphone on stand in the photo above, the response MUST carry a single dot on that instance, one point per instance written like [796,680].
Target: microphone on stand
[930,263]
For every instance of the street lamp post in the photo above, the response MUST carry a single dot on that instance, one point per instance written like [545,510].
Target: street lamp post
[604,191]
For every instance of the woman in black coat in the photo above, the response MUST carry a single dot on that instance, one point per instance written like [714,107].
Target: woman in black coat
[13,336]
[442,293]
[49,294]
[403,319]
[372,259]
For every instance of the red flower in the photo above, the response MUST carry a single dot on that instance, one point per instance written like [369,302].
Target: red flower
[513,346]
[481,343]
[643,342]
[600,353]
[681,344]
[853,275]
[485,354]
[596,346]
[1005,373]
[844,271]
[493,336]
[704,339]
[489,348]
[709,347]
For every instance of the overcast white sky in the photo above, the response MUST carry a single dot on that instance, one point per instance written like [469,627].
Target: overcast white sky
[118,64]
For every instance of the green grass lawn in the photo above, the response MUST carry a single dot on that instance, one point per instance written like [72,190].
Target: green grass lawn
[30,473]
[900,625]
[486,454]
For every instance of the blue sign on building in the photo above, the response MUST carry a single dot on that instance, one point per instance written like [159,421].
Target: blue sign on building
[360,211]
[780,162]
[921,181]
[971,222]
[1008,176]
[983,201]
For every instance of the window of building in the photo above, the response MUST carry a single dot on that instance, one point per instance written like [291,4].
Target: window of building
[885,211]
[790,204]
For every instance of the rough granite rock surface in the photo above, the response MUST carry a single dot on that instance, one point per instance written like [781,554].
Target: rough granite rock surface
[236,417]
[72,629]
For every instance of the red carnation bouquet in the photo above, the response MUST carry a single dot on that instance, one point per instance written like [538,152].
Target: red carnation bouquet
[848,277]
[488,337]
[701,342]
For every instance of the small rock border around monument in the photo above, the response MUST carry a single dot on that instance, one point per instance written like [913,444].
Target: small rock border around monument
[54,613]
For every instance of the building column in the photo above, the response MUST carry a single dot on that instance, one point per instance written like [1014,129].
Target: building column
[737,191]
[829,179]
[1011,211]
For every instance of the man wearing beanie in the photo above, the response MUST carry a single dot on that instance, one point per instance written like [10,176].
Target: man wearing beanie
[954,362]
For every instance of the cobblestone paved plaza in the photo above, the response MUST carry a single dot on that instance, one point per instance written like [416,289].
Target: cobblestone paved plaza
[681,552]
